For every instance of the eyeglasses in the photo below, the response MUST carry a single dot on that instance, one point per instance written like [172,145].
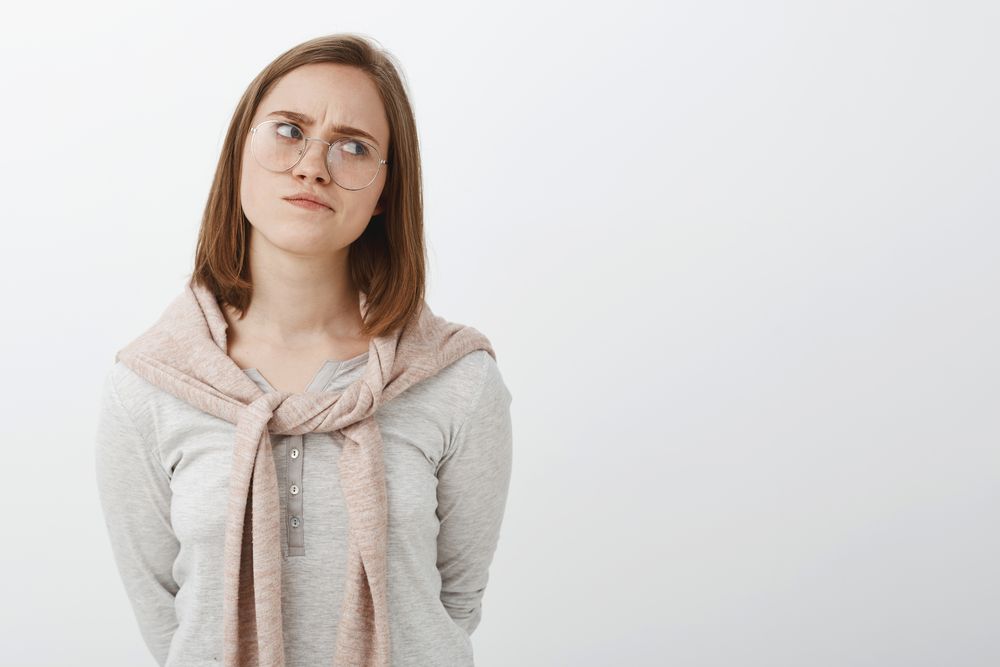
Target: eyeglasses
[278,146]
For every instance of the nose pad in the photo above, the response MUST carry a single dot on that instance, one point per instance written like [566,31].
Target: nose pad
[323,150]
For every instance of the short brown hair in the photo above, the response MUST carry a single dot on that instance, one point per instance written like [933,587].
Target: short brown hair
[388,261]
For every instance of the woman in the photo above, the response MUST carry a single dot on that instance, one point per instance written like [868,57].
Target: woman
[299,463]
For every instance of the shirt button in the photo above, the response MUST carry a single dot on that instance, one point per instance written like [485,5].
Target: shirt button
[294,489]
[295,522]
[295,453]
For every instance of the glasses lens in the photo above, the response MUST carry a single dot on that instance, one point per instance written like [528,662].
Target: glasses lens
[353,163]
[278,145]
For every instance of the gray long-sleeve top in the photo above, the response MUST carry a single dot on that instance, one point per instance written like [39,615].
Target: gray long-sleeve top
[163,469]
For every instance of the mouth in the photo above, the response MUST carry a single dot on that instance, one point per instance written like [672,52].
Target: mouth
[308,204]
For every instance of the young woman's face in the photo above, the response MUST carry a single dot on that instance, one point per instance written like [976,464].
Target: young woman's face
[330,95]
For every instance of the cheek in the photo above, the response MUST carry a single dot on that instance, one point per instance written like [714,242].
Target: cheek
[252,192]
[363,209]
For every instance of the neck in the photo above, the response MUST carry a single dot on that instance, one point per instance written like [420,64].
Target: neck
[299,301]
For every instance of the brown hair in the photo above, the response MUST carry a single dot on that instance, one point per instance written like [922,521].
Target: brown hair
[388,261]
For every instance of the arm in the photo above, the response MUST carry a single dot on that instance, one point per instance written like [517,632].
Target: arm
[473,480]
[134,492]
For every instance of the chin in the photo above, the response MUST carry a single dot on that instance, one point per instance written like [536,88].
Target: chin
[299,236]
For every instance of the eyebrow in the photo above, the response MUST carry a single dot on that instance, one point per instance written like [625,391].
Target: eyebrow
[336,128]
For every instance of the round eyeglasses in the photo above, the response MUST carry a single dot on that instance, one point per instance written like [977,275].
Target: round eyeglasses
[278,145]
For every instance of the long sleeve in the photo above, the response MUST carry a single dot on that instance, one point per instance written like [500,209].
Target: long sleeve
[473,481]
[134,492]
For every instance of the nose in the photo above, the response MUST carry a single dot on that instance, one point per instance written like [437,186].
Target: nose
[313,163]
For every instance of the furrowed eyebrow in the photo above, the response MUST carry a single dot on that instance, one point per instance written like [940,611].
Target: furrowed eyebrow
[338,129]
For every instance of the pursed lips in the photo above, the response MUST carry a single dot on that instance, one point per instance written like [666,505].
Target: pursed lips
[306,199]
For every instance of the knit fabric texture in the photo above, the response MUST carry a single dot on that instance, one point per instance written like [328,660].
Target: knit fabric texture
[185,353]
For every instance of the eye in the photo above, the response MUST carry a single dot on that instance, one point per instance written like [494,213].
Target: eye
[288,131]
[354,148]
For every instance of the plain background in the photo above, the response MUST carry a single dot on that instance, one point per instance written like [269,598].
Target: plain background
[739,262]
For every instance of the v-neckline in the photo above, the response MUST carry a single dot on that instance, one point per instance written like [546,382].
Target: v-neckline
[322,376]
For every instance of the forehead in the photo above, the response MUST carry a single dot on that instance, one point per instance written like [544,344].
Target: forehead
[330,94]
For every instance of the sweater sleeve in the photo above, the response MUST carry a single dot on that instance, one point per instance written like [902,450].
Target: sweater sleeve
[473,480]
[134,492]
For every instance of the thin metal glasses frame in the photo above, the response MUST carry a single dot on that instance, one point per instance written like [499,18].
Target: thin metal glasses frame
[302,153]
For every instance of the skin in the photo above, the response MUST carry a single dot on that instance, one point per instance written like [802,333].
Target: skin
[305,307]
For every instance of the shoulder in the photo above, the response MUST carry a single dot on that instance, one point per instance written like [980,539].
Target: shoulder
[482,418]
[469,371]
[132,389]
[446,399]
[122,398]
[149,407]
[470,377]
[476,388]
